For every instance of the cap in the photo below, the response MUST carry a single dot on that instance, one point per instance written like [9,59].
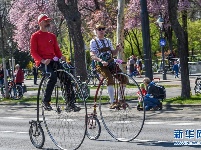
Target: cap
[43,17]
[99,25]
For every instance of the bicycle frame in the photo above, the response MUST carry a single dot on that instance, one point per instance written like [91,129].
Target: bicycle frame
[115,92]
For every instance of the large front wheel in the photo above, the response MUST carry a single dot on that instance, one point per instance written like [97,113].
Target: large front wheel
[123,122]
[65,126]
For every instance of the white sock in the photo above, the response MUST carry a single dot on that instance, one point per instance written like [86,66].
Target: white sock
[120,92]
[110,90]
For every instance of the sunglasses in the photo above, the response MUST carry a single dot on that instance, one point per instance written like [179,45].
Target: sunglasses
[99,29]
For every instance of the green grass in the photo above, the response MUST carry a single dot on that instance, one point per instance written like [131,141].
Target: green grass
[129,86]
[28,100]
[195,99]
[169,86]
[32,89]
[33,100]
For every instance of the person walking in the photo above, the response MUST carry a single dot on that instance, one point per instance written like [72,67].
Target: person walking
[175,68]
[132,64]
[139,66]
[1,75]
[44,47]
[101,51]
[35,73]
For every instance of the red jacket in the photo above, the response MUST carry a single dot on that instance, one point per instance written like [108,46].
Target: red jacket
[144,92]
[19,76]
[44,45]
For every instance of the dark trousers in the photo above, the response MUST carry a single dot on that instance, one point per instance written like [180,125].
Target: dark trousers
[67,86]
[51,83]
[35,78]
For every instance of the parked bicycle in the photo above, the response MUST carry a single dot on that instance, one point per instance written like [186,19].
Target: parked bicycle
[92,77]
[124,123]
[197,87]
[15,91]
[84,87]
[65,127]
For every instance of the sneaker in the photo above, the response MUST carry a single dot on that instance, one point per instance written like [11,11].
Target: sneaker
[113,106]
[75,108]
[47,105]
[160,106]
[139,108]
[155,108]
[123,104]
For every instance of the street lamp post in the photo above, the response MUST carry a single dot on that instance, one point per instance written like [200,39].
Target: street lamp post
[162,42]
[2,22]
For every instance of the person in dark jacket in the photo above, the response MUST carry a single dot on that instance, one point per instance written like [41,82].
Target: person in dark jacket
[150,100]
[35,73]
[175,68]
[1,75]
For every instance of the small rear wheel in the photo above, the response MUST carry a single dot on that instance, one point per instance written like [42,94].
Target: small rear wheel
[36,134]
[93,127]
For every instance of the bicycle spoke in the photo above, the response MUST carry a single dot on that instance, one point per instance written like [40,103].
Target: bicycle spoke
[65,127]
[124,122]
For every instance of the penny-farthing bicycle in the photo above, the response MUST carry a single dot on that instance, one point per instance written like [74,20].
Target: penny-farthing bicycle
[124,122]
[65,127]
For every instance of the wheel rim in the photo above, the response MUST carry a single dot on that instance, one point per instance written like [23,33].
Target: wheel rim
[126,122]
[66,128]
[37,136]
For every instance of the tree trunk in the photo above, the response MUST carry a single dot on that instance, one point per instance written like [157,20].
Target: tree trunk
[182,47]
[120,31]
[184,26]
[73,19]
[146,39]
[169,38]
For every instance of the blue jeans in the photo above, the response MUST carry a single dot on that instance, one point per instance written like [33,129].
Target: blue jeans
[176,73]
[1,82]
[134,73]
[150,102]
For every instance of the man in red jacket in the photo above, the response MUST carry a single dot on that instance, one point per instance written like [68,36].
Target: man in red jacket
[44,47]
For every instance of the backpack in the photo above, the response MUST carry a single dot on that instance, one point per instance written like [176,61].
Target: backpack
[161,92]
